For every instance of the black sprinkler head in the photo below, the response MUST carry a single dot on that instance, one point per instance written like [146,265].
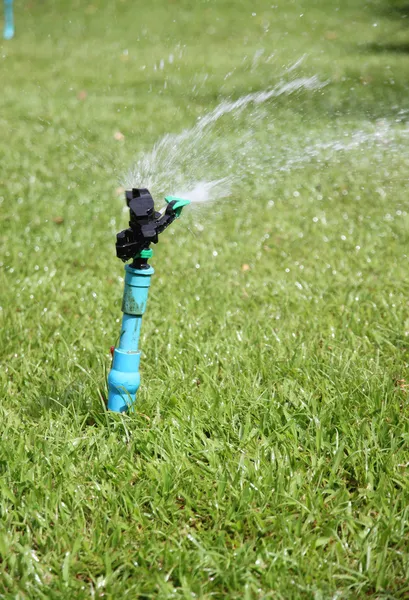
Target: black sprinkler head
[140,203]
[145,224]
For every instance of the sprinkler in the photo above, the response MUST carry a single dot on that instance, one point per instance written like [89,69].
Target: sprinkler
[133,243]
[8,20]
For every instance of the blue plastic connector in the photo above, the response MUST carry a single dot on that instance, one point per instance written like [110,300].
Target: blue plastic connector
[124,378]
[8,20]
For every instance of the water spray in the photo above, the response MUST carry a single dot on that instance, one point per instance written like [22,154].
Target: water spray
[8,20]
[133,243]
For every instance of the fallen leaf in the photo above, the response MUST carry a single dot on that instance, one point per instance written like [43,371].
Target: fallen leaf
[58,220]
[365,79]
[245,267]
[119,136]
[402,385]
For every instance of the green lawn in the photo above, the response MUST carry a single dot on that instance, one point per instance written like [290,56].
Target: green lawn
[268,456]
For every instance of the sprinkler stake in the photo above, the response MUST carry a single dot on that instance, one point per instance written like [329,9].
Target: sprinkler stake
[145,225]
[8,32]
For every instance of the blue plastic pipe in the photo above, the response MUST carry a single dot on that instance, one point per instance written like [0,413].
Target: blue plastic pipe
[124,378]
[8,20]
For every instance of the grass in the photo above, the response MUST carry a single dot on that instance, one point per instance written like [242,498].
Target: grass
[268,456]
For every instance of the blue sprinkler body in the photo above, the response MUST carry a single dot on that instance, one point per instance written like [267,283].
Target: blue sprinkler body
[124,378]
[8,20]
[133,243]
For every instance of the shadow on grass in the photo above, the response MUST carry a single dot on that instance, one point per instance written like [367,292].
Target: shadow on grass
[388,47]
[394,9]
[75,397]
